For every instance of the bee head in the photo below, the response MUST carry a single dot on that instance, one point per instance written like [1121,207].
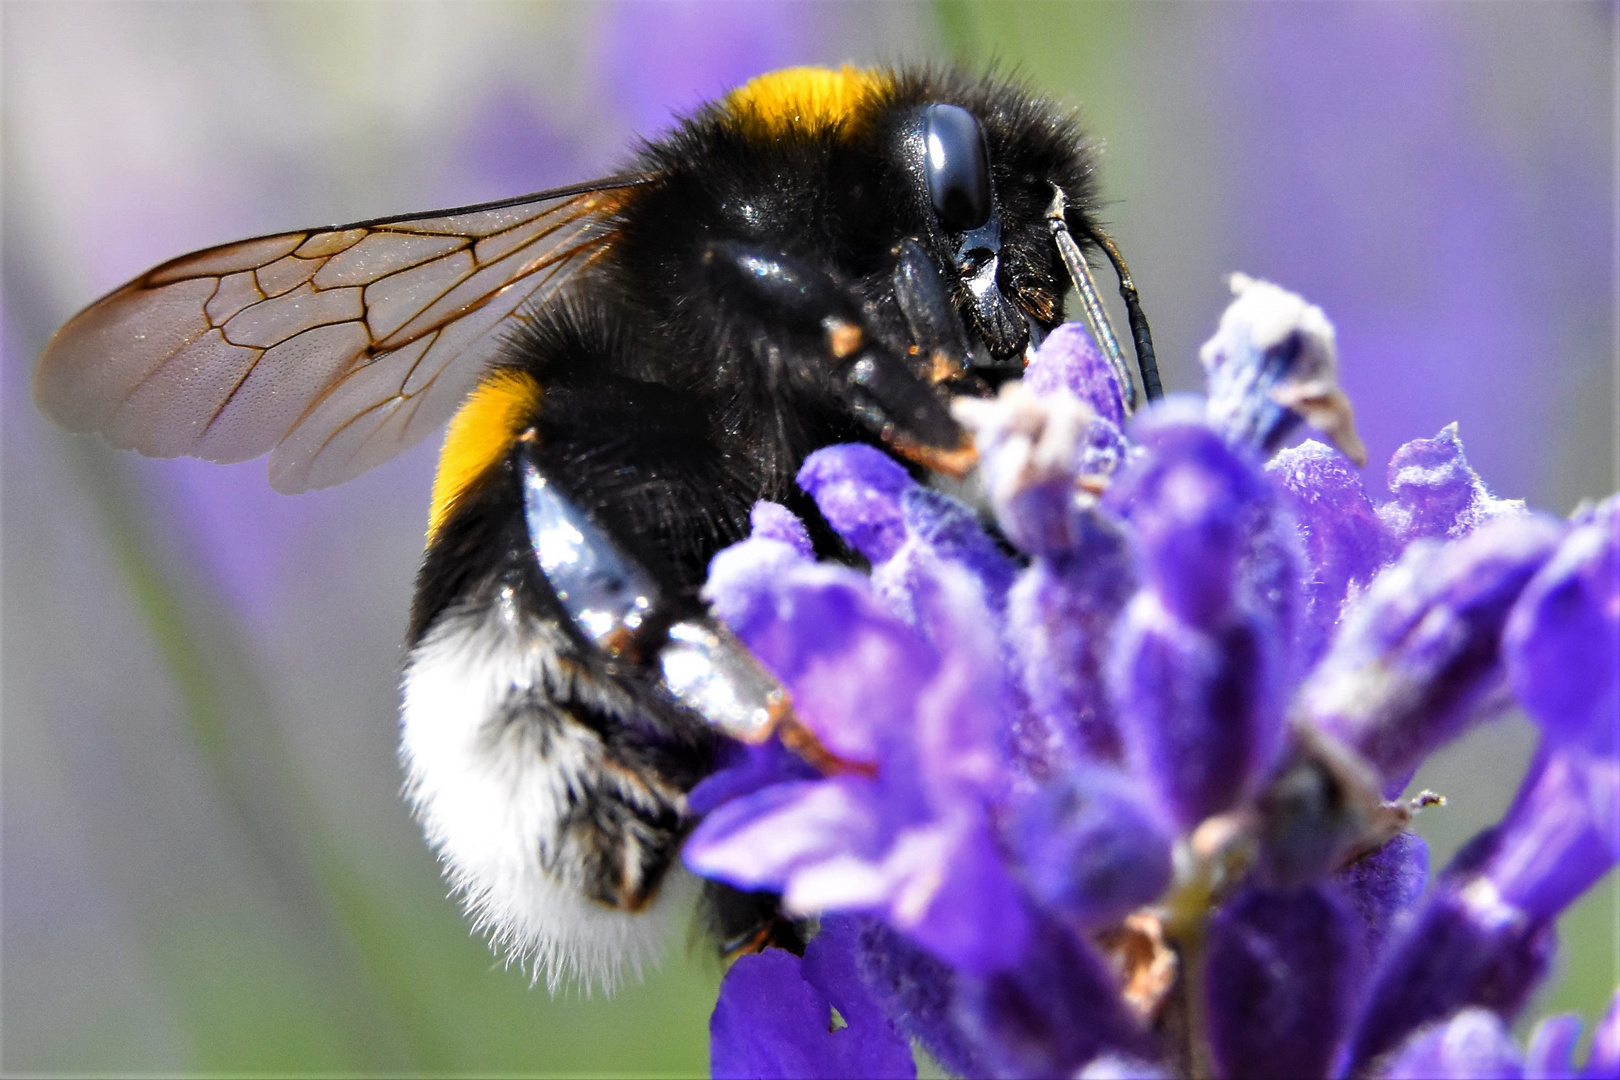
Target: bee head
[963,165]
[975,162]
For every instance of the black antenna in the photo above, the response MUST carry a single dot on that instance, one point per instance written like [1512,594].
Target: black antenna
[1140,334]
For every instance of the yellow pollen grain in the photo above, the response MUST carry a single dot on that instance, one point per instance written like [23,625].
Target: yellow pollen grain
[480,433]
[802,98]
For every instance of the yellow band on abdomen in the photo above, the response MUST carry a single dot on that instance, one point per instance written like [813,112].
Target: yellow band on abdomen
[480,434]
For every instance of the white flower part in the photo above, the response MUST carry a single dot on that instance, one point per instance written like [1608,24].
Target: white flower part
[1025,440]
[1265,317]
[1119,1067]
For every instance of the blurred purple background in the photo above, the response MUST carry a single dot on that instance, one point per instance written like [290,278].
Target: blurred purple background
[206,865]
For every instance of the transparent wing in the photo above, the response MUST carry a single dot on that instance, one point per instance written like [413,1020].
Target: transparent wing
[332,349]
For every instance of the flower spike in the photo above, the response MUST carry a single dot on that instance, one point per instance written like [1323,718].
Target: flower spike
[1106,795]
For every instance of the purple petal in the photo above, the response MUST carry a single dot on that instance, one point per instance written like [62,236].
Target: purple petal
[746,768]
[853,669]
[1060,613]
[959,903]
[1437,494]
[1551,1053]
[1604,1058]
[1557,839]
[942,884]
[743,581]
[940,530]
[962,712]
[1280,970]
[1384,887]
[760,841]
[773,521]
[1456,953]
[857,488]
[895,522]
[1191,502]
[919,992]
[953,532]
[1091,847]
[832,966]
[1200,712]
[1473,1045]
[770,1022]
[1418,660]
[1069,360]
[1343,541]
[856,672]
[1562,641]
[1052,1014]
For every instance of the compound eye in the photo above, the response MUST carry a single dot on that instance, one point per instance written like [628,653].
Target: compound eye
[958,170]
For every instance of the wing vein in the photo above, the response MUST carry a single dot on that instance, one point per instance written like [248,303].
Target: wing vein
[152,365]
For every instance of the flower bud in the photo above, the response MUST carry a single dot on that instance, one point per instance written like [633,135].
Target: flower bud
[1053,1013]
[1474,1043]
[1437,494]
[1485,936]
[1280,971]
[1272,364]
[1069,360]
[1060,614]
[1343,541]
[857,489]
[1417,660]
[1091,848]
[1562,641]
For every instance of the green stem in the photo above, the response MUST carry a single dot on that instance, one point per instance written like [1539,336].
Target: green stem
[225,710]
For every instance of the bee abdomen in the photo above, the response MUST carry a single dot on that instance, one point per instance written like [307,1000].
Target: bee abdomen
[555,828]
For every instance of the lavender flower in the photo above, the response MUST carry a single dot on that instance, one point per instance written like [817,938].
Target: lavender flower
[1118,807]
[782,1016]
[1475,1045]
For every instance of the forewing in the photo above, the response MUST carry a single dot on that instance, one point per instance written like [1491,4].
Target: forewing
[332,349]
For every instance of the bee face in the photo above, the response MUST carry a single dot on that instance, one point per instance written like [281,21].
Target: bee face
[628,366]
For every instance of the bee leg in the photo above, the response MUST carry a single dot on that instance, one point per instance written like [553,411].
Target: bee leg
[1141,334]
[640,629]
[926,306]
[747,922]
[788,300]
[619,611]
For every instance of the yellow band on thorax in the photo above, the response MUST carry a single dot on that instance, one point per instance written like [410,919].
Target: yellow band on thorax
[480,434]
[802,98]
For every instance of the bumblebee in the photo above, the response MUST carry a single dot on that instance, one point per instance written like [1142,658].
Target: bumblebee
[627,366]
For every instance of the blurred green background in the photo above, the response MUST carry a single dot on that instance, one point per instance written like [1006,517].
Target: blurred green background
[207,867]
